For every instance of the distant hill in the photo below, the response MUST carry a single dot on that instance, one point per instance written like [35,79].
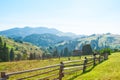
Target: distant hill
[45,40]
[21,49]
[49,37]
[97,42]
[22,32]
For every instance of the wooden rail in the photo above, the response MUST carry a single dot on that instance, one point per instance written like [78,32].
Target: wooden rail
[69,66]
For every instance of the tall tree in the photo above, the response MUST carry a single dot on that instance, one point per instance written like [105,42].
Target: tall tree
[66,52]
[6,52]
[12,55]
[1,43]
[55,53]
[31,56]
[1,49]
[61,53]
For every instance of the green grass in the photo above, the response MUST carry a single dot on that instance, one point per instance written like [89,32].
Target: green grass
[107,70]
[30,64]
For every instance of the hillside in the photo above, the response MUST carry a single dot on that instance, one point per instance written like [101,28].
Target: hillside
[54,39]
[45,40]
[22,50]
[108,70]
[97,42]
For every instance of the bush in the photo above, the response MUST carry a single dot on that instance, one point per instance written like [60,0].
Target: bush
[105,50]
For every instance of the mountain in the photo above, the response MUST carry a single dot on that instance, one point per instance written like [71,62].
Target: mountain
[45,40]
[22,32]
[97,42]
[46,37]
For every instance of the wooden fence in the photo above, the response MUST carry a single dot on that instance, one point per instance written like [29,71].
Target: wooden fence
[63,69]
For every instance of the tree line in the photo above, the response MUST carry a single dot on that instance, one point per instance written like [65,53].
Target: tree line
[5,54]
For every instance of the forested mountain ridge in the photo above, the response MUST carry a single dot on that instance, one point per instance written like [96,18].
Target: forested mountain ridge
[20,50]
[52,42]
[97,42]
[45,40]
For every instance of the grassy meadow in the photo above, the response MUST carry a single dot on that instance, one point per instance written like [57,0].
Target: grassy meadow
[30,64]
[107,70]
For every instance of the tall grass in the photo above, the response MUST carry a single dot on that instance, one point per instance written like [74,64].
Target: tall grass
[31,64]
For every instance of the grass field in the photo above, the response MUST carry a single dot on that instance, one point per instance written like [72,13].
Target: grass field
[30,64]
[107,70]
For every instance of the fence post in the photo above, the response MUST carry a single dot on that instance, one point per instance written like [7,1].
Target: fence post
[84,64]
[94,62]
[105,56]
[3,76]
[99,58]
[61,74]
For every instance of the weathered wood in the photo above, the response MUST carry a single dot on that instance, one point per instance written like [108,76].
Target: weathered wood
[73,61]
[61,74]
[38,74]
[70,65]
[105,56]
[3,76]
[88,65]
[94,61]
[99,59]
[14,73]
[102,58]
[84,65]
[74,67]
[91,62]
[90,59]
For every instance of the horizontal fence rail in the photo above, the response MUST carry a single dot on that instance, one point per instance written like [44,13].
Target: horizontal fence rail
[62,69]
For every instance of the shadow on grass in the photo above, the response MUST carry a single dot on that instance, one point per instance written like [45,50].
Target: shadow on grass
[92,67]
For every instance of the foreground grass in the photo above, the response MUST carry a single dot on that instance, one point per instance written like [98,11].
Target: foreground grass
[30,64]
[107,70]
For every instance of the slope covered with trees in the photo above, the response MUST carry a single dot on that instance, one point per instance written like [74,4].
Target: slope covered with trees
[45,40]
[11,50]
[97,42]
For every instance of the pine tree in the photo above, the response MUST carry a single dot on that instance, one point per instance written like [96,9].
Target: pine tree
[55,53]
[6,53]
[31,57]
[1,43]
[66,52]
[1,50]
[61,53]
[12,55]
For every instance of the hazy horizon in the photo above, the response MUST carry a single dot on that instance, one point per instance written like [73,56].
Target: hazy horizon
[56,29]
[76,16]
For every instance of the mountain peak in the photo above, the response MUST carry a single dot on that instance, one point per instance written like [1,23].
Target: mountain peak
[31,30]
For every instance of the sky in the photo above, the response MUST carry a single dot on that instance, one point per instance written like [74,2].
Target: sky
[77,16]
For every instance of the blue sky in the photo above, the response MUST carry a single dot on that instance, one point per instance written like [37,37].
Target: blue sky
[77,16]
